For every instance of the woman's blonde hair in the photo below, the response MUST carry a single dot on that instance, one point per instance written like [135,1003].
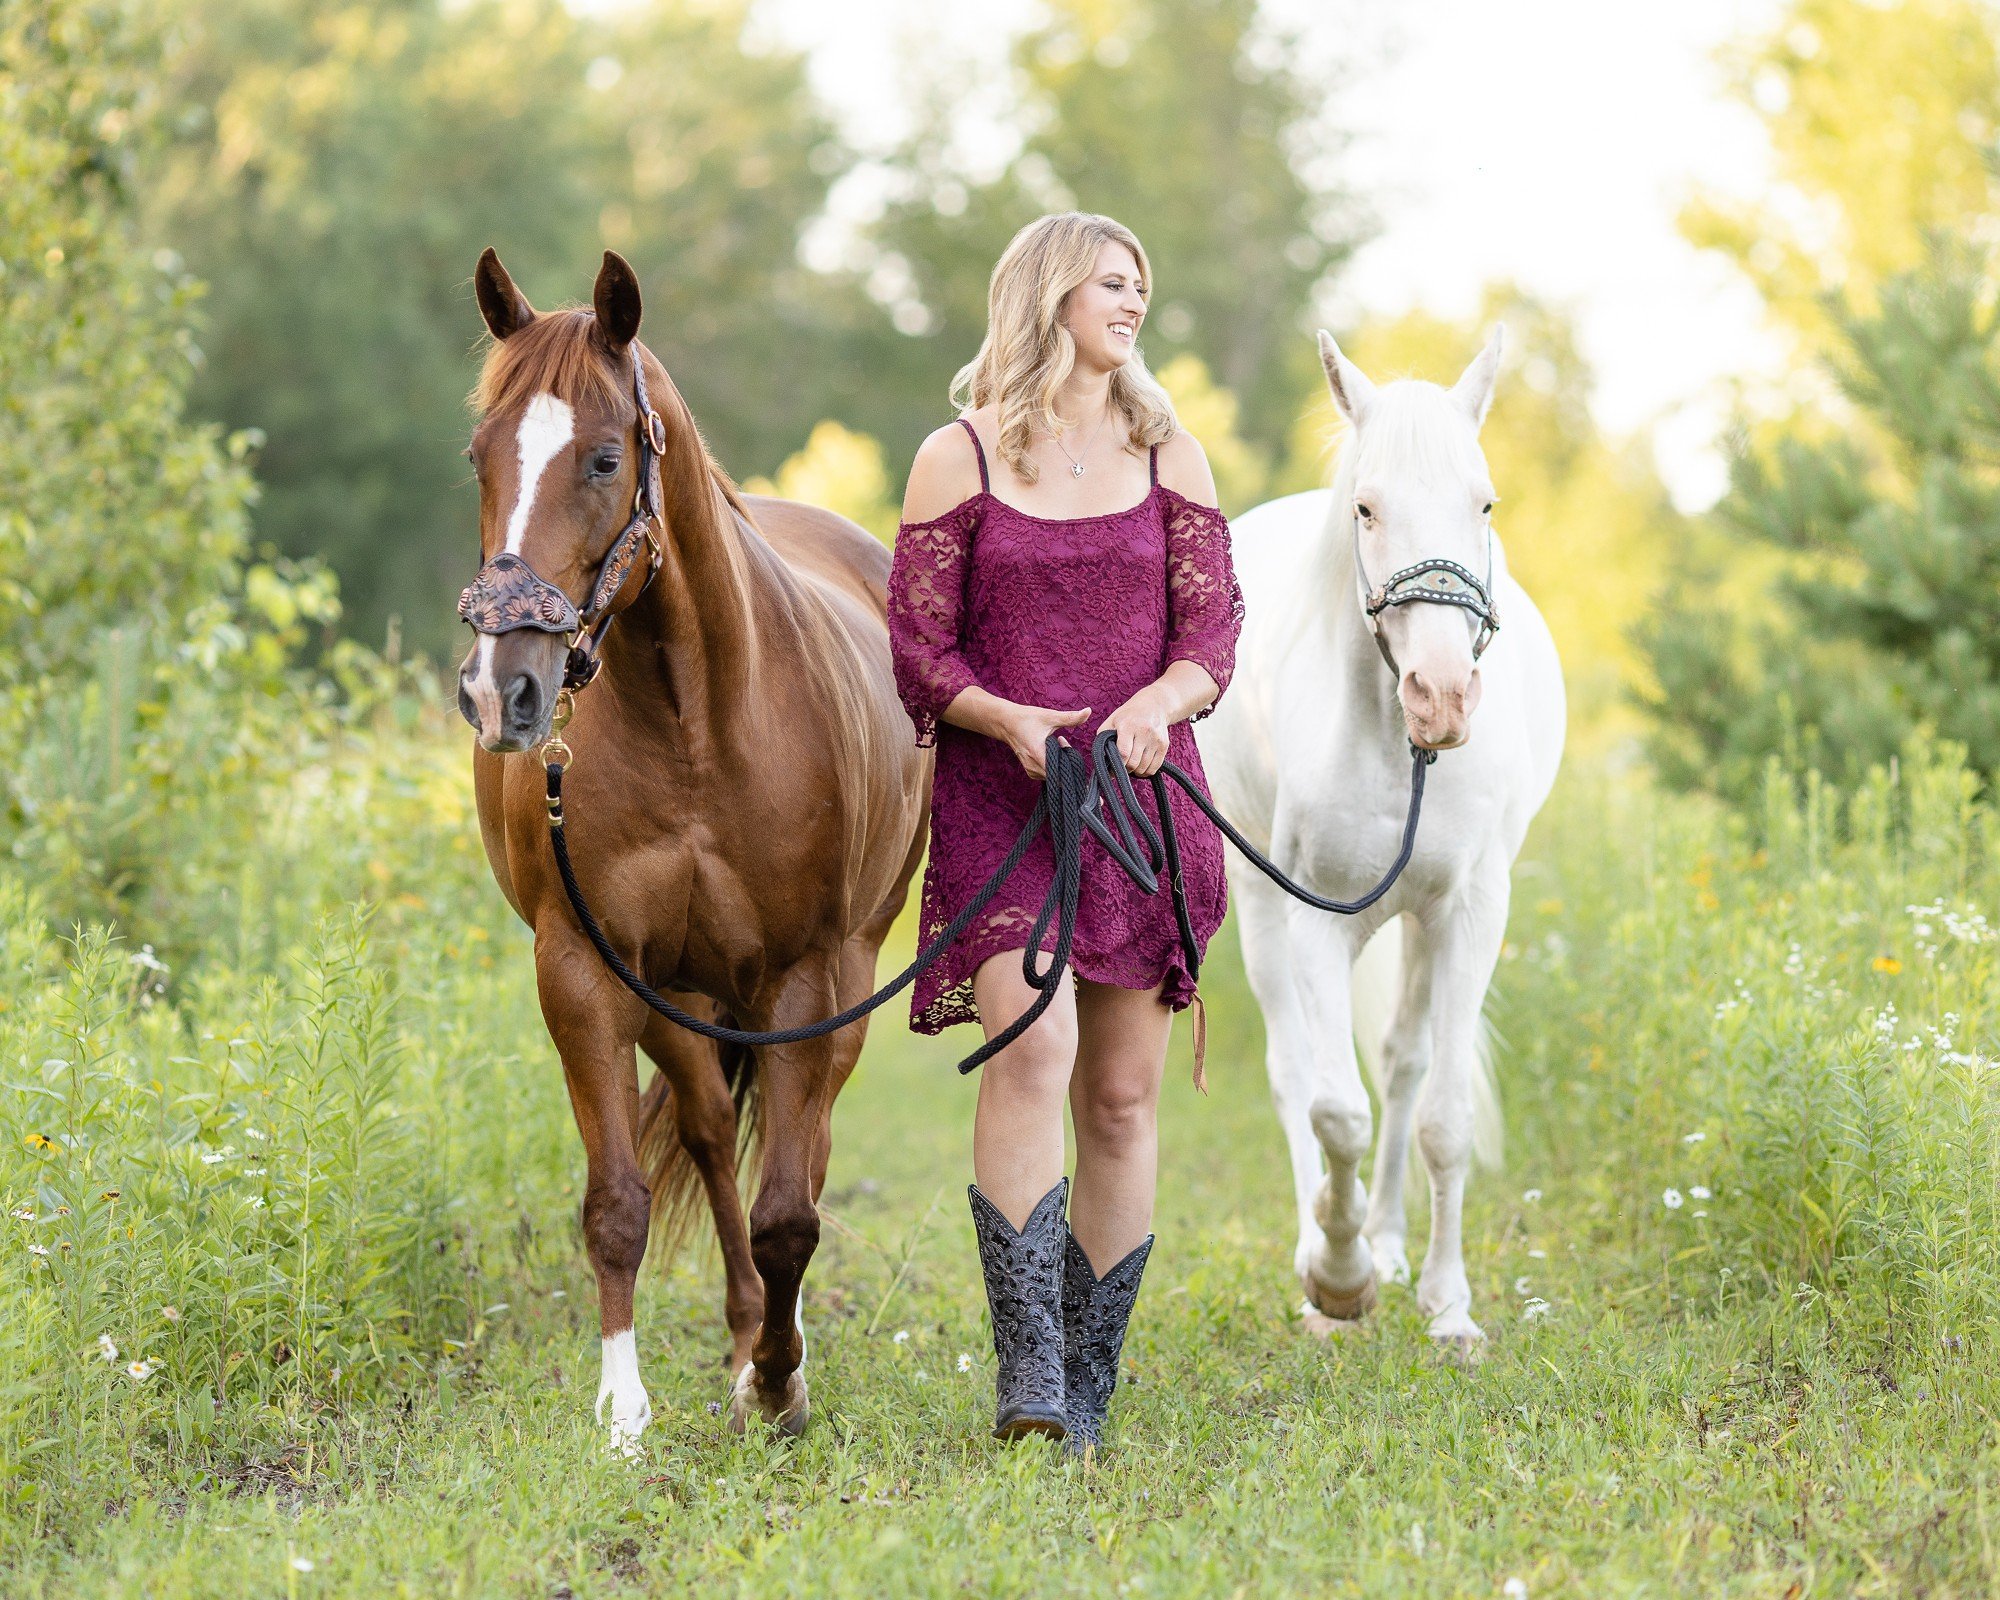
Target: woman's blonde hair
[1028,354]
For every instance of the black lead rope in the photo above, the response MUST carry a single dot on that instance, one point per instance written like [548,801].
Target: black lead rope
[1075,795]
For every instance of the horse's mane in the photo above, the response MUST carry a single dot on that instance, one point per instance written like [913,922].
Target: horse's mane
[560,354]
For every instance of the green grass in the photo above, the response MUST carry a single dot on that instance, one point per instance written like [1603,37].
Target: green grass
[387,1369]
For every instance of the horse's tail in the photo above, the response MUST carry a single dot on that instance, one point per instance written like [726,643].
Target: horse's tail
[1378,999]
[671,1172]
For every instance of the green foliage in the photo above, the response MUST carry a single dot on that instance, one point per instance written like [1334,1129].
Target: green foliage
[1720,1397]
[335,172]
[1805,1006]
[211,1208]
[1881,120]
[115,507]
[1881,544]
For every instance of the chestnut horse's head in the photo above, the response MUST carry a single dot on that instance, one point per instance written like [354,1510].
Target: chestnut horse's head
[568,494]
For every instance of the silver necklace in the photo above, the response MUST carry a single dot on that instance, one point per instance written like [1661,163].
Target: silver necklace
[1076,462]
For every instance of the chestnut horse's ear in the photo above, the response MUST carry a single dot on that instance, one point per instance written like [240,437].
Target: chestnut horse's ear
[504,307]
[617,301]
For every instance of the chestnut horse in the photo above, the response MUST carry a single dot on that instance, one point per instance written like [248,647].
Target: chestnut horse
[746,807]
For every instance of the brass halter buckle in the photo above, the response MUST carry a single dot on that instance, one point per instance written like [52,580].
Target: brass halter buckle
[555,749]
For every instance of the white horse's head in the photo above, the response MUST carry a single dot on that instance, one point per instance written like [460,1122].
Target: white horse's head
[1413,488]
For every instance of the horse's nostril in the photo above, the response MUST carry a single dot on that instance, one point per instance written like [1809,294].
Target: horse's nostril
[523,701]
[466,708]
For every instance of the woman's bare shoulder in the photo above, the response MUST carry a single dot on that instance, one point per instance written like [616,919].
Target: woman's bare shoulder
[1184,469]
[944,475]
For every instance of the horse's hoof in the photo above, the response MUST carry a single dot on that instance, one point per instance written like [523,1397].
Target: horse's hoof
[1341,1305]
[1321,1326]
[787,1414]
[1456,1335]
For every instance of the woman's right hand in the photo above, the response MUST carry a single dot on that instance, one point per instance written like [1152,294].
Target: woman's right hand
[1027,729]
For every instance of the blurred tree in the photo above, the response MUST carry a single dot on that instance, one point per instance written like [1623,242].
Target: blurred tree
[338,168]
[841,470]
[116,509]
[1585,522]
[1882,121]
[1193,123]
[1836,609]
[1884,540]
[1211,413]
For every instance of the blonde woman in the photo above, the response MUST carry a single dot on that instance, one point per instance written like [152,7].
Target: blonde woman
[1061,567]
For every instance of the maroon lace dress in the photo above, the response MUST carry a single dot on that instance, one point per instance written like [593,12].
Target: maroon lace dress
[1063,613]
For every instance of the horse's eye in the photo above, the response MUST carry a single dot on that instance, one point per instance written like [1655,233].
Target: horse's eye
[1487,509]
[604,464]
[1366,514]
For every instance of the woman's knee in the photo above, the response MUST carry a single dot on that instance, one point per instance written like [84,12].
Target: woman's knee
[1117,1108]
[1037,1065]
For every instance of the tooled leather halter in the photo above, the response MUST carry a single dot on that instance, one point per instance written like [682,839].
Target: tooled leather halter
[509,595]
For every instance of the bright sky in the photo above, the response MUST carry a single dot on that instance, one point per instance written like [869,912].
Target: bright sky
[1550,142]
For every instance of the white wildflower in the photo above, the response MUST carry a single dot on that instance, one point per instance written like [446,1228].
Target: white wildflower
[1671,1199]
[964,1362]
[256,1202]
[1699,1192]
[1514,1589]
[140,1371]
[38,1250]
[23,1214]
[1693,1138]
[1538,1255]
[106,1348]
[301,1564]
[1521,1286]
[1535,1309]
[902,1336]
[1531,1196]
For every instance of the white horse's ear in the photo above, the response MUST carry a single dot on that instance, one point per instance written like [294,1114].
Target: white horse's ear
[1352,391]
[1474,390]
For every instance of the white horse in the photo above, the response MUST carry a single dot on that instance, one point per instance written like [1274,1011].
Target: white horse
[1309,753]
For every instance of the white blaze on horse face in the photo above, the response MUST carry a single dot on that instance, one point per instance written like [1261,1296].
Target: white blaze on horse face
[546,426]
[619,1383]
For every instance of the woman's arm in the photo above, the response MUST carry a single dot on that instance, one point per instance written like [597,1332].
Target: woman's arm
[1205,611]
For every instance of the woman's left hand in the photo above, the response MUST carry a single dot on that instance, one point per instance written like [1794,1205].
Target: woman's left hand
[1141,725]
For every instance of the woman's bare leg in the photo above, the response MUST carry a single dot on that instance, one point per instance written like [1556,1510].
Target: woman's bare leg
[1114,1098]
[1017,1134]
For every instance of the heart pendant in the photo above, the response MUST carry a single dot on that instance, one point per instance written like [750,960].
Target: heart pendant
[1076,469]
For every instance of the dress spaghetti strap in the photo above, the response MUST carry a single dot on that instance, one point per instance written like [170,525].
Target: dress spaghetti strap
[978,450]
[1153,465]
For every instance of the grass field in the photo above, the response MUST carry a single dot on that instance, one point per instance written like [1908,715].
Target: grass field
[1737,1271]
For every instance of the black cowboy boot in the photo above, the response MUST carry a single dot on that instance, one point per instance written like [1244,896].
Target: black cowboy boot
[1095,1312]
[1024,1278]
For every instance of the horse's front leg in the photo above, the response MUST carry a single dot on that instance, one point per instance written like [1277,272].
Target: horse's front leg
[1299,969]
[595,1024]
[799,1082]
[1465,938]
[1406,1060]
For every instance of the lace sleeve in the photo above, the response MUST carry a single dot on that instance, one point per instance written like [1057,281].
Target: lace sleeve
[926,599]
[1205,602]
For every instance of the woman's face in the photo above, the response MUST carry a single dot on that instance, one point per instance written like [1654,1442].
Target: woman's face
[1103,312]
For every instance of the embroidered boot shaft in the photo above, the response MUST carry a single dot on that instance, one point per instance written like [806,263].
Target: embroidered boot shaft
[1095,1313]
[1024,1289]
